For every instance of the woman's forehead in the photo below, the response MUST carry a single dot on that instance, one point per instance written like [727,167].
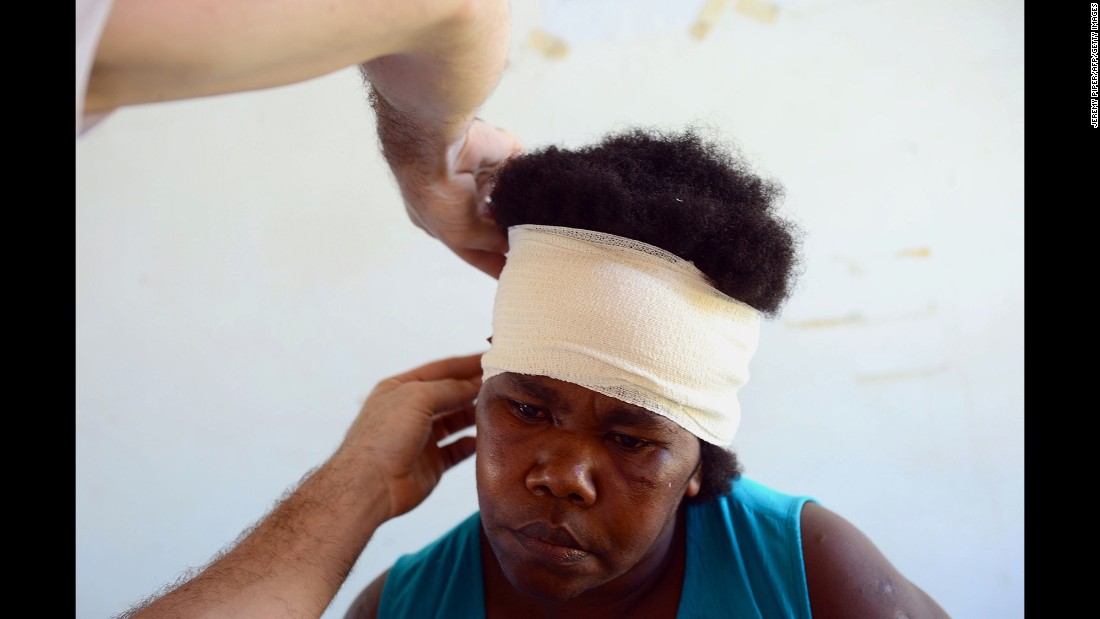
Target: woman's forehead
[556,392]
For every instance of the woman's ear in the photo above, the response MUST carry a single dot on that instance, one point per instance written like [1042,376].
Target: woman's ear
[695,482]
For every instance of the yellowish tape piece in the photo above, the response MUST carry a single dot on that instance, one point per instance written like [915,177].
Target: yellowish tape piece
[856,319]
[707,17]
[915,252]
[828,323]
[760,10]
[547,44]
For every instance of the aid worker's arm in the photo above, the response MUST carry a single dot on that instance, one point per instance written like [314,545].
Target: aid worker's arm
[162,50]
[295,560]
[441,155]
[848,576]
[431,65]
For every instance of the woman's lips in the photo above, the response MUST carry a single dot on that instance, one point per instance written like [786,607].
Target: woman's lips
[551,544]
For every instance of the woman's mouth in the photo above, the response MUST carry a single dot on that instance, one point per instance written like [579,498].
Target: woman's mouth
[553,545]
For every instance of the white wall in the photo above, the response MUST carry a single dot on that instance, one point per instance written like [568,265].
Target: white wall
[245,274]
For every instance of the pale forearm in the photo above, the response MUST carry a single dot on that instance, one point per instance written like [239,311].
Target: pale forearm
[160,50]
[296,559]
[426,99]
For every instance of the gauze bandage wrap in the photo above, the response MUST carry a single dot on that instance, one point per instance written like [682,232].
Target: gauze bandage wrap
[625,319]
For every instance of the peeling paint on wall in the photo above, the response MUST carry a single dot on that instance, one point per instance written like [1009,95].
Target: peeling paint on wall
[548,45]
[827,323]
[858,319]
[760,10]
[708,15]
[856,269]
[915,252]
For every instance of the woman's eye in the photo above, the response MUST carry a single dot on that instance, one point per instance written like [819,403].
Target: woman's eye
[628,442]
[526,411]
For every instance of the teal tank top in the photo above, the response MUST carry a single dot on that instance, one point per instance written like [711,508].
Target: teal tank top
[744,559]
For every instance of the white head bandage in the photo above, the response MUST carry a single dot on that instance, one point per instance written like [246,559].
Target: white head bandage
[625,319]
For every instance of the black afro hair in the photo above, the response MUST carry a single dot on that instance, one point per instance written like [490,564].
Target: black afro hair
[673,190]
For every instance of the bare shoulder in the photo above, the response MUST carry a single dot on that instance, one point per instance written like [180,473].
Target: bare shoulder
[849,577]
[365,605]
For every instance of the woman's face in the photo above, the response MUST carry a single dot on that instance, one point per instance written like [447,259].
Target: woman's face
[578,491]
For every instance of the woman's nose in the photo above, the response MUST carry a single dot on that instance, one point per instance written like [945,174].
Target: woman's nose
[563,469]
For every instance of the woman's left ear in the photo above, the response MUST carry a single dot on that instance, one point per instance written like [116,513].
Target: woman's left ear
[695,482]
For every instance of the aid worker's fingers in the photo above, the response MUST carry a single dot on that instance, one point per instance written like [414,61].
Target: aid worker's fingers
[446,424]
[459,450]
[485,147]
[464,367]
[436,397]
[398,416]
[488,262]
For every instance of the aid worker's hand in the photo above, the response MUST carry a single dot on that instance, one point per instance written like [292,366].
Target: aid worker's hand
[401,424]
[449,202]
[294,561]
